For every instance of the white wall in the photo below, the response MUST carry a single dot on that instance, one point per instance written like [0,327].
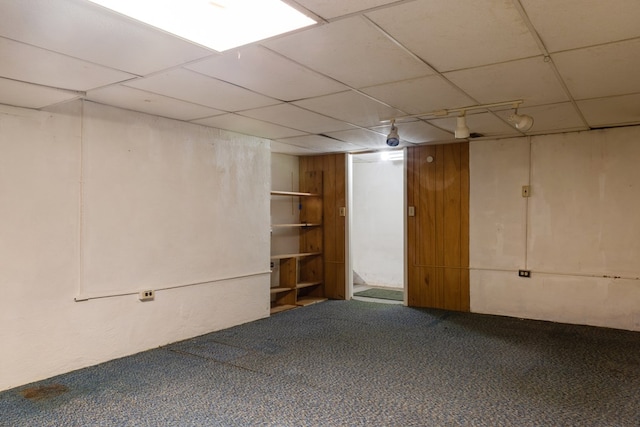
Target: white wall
[97,200]
[578,232]
[377,237]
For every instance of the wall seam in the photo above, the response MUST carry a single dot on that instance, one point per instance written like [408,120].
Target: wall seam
[81,204]
[526,213]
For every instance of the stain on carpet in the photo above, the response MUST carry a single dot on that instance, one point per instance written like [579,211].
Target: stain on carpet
[44,392]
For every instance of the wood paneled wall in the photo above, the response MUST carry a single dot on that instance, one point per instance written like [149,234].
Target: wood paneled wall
[438,234]
[333,168]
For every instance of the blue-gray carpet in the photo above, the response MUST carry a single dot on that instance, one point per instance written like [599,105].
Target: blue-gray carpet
[354,363]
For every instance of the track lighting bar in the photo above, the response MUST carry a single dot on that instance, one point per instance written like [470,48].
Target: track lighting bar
[522,122]
[443,113]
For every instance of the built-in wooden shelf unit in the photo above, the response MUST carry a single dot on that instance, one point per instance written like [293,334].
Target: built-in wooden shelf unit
[301,274]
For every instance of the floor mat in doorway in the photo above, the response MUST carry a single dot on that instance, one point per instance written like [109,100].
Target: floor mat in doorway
[381,294]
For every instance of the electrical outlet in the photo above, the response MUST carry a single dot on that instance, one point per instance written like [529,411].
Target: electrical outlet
[146,295]
[524,273]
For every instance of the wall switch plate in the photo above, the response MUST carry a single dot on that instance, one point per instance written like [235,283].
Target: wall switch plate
[146,295]
[524,273]
[526,191]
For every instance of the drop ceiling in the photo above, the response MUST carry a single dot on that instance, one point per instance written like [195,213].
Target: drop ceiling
[328,88]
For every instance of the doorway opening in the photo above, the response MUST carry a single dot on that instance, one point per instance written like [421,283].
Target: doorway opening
[377,228]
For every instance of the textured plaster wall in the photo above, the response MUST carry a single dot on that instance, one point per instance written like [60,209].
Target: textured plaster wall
[97,199]
[578,232]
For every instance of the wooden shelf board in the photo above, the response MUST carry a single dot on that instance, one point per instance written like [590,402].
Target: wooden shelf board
[279,308]
[295,225]
[279,289]
[310,300]
[293,193]
[307,284]
[297,255]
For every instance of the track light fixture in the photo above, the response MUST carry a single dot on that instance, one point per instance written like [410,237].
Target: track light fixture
[462,130]
[522,122]
[393,139]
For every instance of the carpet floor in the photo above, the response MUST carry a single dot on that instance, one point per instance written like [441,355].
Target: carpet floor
[354,363]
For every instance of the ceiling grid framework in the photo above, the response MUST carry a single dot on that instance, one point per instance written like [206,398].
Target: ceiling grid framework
[575,65]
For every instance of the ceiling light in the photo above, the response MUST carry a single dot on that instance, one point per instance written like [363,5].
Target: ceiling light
[217,24]
[522,122]
[393,139]
[462,131]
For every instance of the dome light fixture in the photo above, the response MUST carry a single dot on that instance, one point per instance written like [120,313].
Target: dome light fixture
[393,139]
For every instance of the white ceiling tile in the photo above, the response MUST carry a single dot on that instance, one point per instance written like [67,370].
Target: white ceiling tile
[347,49]
[616,110]
[351,107]
[417,132]
[19,94]
[150,103]
[194,87]
[483,47]
[570,24]
[321,143]
[294,150]
[92,33]
[532,80]
[550,118]
[297,118]
[420,95]
[34,65]
[279,77]
[248,126]
[328,9]
[457,34]
[361,137]
[483,123]
[611,69]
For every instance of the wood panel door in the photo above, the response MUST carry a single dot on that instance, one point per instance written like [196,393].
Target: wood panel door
[438,228]
[334,200]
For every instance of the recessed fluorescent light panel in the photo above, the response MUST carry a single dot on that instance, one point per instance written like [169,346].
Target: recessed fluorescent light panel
[217,24]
